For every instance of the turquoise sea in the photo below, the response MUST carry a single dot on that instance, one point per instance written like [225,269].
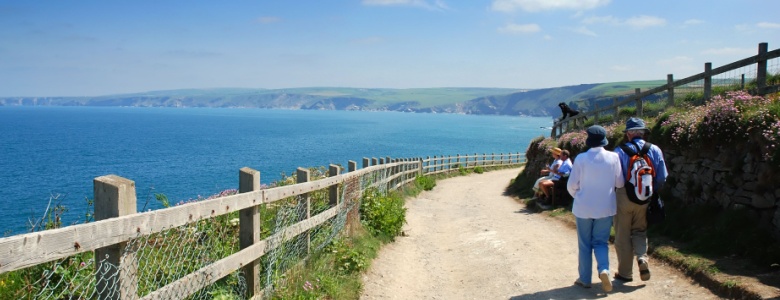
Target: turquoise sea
[55,152]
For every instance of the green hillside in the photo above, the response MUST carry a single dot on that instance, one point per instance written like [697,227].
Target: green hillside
[501,101]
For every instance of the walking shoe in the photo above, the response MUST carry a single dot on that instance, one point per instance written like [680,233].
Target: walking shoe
[580,283]
[606,284]
[644,269]
[623,279]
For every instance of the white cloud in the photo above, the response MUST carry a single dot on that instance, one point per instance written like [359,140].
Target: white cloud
[435,5]
[645,21]
[509,6]
[768,25]
[602,20]
[584,31]
[693,22]
[520,28]
[730,51]
[267,20]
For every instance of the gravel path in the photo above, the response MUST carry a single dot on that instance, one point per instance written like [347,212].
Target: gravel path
[466,240]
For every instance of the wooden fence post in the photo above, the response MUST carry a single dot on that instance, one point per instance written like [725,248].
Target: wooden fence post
[707,81]
[365,162]
[374,161]
[596,113]
[670,90]
[305,203]
[249,228]
[638,103]
[420,170]
[115,196]
[333,191]
[761,68]
[351,166]
[617,109]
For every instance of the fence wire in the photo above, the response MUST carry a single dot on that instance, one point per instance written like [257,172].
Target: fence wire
[151,262]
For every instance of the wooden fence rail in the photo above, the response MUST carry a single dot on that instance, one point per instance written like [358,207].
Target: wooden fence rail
[760,60]
[118,222]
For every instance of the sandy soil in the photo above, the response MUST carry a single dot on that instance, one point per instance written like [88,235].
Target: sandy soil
[466,240]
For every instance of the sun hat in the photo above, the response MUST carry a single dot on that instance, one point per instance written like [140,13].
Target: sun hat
[635,124]
[597,136]
[556,151]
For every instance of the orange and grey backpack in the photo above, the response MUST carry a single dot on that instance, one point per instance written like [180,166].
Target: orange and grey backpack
[639,180]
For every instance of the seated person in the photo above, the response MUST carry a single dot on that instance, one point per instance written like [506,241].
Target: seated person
[563,170]
[547,171]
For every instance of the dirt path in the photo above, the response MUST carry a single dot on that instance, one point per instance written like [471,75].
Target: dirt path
[465,240]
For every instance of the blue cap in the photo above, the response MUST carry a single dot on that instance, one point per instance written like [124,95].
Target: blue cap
[597,136]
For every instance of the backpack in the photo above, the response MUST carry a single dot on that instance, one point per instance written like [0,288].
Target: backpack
[639,180]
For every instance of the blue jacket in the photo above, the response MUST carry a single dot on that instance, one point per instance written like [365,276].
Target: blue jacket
[656,157]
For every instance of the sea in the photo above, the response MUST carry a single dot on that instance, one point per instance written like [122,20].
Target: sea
[50,155]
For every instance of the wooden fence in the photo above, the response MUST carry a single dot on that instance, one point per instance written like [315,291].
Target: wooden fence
[636,100]
[118,222]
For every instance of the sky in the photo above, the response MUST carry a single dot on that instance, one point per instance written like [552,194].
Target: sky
[94,48]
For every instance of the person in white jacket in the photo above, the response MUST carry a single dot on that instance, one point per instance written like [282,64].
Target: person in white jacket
[594,178]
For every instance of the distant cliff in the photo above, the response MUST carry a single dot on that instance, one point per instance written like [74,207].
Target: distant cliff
[478,101]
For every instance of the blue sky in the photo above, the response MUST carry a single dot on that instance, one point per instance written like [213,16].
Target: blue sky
[90,48]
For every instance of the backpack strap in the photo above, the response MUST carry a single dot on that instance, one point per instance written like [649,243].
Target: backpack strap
[628,149]
[645,148]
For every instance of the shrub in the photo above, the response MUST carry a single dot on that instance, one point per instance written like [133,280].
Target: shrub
[736,117]
[424,182]
[479,170]
[382,215]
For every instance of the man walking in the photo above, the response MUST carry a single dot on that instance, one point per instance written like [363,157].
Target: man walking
[594,177]
[631,218]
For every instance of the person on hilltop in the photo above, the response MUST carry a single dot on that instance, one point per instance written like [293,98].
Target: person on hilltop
[594,178]
[630,221]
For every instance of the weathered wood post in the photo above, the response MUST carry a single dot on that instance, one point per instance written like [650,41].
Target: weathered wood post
[742,82]
[374,161]
[670,90]
[115,196]
[595,114]
[303,176]
[617,109]
[333,191]
[365,162]
[249,227]
[420,171]
[638,103]
[707,81]
[351,166]
[381,160]
[761,68]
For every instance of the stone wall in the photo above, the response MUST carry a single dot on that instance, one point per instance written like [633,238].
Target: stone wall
[726,178]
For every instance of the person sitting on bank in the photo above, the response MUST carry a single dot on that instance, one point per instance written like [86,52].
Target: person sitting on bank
[547,172]
[560,171]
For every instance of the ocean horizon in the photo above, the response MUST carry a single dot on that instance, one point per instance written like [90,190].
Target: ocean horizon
[50,155]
